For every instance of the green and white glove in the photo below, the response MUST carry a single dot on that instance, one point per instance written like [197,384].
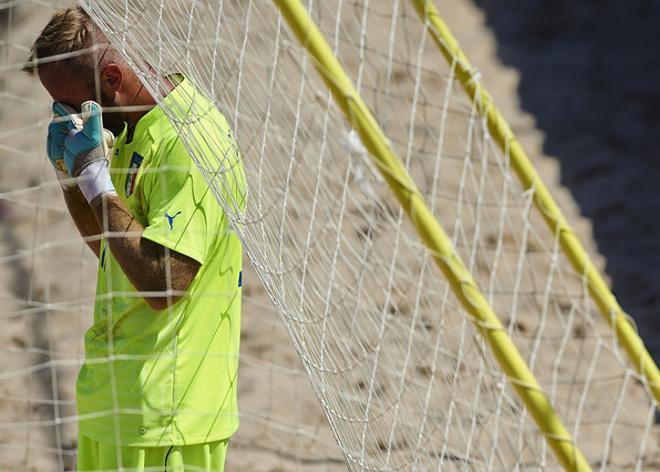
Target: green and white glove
[86,155]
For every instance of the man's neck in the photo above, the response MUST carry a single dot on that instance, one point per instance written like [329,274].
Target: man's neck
[145,102]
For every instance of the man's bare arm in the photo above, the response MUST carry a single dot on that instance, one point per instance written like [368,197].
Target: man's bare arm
[163,274]
[149,266]
[83,217]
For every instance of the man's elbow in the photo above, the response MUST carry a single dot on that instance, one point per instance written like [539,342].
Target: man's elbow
[162,303]
[181,275]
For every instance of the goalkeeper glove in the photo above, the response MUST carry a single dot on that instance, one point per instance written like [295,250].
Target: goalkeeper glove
[65,122]
[85,154]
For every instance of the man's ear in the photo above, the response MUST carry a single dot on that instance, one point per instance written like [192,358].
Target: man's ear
[112,79]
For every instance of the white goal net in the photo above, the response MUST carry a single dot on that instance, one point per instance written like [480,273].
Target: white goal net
[403,379]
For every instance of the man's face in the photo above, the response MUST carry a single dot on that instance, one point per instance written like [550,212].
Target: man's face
[69,88]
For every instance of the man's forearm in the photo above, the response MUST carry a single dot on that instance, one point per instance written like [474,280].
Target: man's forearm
[83,217]
[149,266]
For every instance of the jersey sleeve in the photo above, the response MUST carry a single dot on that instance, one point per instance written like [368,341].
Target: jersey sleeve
[181,211]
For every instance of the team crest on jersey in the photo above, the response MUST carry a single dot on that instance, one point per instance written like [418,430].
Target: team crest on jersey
[136,162]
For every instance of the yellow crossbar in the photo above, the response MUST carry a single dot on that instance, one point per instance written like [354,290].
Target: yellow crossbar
[609,307]
[433,236]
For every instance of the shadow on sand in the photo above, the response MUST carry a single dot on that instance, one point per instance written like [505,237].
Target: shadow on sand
[590,75]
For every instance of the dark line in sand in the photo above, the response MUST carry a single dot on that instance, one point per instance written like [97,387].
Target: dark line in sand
[25,287]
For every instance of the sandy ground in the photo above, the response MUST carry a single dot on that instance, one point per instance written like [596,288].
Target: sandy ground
[46,284]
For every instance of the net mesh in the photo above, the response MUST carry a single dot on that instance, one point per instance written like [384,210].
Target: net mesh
[401,375]
[47,291]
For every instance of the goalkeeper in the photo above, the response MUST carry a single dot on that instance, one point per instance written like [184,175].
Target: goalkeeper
[158,385]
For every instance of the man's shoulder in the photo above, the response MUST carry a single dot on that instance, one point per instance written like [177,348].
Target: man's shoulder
[191,108]
[188,119]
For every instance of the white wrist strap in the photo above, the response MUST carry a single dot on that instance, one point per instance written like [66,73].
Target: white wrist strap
[94,180]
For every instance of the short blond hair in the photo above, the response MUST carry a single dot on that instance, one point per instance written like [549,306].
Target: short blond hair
[68,31]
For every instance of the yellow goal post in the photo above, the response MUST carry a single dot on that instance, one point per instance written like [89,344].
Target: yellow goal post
[619,321]
[433,235]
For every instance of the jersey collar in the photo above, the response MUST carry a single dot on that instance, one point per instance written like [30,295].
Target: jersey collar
[182,96]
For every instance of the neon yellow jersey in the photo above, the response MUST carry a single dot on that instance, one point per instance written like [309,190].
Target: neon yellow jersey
[155,378]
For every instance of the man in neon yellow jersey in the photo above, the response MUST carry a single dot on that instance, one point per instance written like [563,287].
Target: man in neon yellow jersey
[158,386]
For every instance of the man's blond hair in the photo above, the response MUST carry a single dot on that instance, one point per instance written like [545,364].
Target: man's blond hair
[68,32]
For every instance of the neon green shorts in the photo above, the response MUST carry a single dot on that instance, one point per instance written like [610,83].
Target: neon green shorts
[94,456]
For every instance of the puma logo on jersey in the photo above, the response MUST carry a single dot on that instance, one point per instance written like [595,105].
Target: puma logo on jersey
[170,219]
